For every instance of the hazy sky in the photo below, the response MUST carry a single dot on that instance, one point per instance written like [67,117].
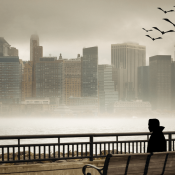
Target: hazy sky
[66,26]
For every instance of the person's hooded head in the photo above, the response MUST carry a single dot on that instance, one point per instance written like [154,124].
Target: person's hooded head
[154,125]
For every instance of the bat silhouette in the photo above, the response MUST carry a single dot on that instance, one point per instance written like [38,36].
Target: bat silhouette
[146,30]
[153,38]
[165,11]
[168,21]
[163,31]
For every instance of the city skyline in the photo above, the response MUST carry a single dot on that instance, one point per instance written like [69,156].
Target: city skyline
[66,27]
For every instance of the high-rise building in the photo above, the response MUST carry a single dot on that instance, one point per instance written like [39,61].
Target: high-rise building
[34,42]
[173,85]
[36,52]
[50,78]
[13,51]
[89,70]
[10,79]
[27,80]
[106,90]
[160,82]
[143,83]
[72,75]
[4,47]
[127,57]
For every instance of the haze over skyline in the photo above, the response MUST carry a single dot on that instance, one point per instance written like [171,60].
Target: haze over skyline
[67,26]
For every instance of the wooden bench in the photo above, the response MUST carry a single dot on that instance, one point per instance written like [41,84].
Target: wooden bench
[158,163]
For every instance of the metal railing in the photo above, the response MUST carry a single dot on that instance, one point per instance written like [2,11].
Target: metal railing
[75,150]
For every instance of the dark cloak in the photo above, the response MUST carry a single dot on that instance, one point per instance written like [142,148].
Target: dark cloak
[157,142]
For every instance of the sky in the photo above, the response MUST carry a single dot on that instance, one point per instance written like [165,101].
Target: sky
[67,26]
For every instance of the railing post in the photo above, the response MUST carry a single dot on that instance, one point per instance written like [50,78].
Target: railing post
[170,138]
[19,149]
[91,148]
[59,147]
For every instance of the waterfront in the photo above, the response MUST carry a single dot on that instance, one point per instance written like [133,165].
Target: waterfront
[42,126]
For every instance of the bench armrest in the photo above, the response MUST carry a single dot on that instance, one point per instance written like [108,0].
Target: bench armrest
[89,165]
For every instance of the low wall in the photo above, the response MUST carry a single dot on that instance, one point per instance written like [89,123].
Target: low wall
[64,168]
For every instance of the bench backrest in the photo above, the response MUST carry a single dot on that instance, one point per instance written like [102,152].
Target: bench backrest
[136,164]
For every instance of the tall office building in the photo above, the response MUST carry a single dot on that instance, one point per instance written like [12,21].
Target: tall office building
[27,80]
[143,83]
[127,57]
[10,79]
[36,52]
[72,75]
[4,47]
[34,42]
[106,90]
[160,82]
[50,78]
[89,70]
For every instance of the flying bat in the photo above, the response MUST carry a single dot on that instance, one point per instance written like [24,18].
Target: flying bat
[146,30]
[168,21]
[163,31]
[153,38]
[165,11]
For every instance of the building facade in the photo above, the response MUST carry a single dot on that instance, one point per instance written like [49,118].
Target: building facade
[106,89]
[13,51]
[4,47]
[89,71]
[27,80]
[127,57]
[50,78]
[34,42]
[143,83]
[160,82]
[72,75]
[10,79]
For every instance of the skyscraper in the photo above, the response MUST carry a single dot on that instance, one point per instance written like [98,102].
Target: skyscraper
[160,82]
[34,41]
[89,70]
[4,47]
[127,57]
[13,51]
[10,79]
[143,83]
[72,75]
[49,78]
[106,90]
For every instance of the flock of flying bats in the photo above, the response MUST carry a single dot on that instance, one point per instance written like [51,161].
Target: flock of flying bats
[160,30]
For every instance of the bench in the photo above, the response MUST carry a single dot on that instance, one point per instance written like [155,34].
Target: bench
[157,163]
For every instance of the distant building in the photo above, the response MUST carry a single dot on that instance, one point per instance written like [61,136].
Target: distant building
[173,85]
[36,101]
[106,90]
[4,47]
[27,80]
[10,79]
[128,106]
[34,42]
[50,78]
[72,75]
[89,70]
[160,82]
[127,57]
[13,51]
[143,83]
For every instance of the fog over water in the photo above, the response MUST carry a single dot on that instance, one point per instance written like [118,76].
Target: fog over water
[41,126]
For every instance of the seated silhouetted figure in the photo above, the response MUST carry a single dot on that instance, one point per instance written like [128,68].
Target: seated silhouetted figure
[157,141]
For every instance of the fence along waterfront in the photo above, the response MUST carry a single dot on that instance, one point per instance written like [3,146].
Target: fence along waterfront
[75,150]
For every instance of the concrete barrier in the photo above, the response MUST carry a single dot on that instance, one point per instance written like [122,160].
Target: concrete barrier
[64,168]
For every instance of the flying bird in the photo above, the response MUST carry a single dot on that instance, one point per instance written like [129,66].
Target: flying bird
[165,11]
[153,38]
[163,31]
[146,30]
[168,21]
